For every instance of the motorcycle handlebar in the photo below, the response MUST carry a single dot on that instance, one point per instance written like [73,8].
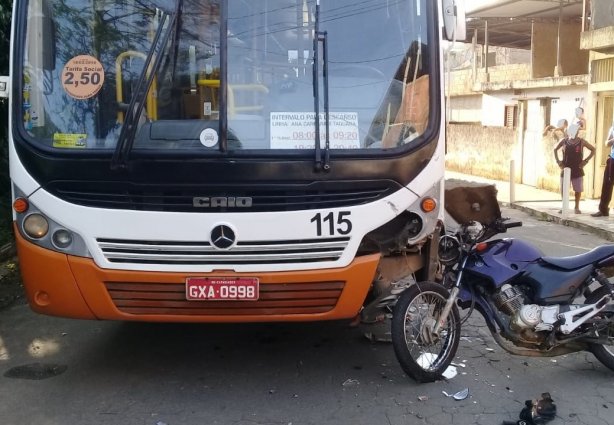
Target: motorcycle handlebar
[501,226]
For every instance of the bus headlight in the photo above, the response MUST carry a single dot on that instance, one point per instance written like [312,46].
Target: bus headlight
[415,224]
[61,238]
[41,230]
[36,226]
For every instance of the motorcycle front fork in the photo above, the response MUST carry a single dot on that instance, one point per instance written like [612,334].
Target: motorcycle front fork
[451,299]
[446,310]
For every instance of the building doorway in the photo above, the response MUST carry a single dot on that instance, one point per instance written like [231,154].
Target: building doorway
[532,148]
[605,117]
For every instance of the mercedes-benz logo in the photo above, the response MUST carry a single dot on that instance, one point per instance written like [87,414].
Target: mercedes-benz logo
[222,237]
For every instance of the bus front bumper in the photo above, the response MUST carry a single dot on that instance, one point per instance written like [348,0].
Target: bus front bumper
[68,286]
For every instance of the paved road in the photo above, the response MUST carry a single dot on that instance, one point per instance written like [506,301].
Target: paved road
[319,373]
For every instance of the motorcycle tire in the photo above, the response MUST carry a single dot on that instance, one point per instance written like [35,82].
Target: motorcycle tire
[604,353]
[422,355]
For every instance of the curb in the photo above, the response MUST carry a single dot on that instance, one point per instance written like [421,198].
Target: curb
[602,233]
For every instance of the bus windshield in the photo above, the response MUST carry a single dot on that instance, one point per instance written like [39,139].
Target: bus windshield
[82,61]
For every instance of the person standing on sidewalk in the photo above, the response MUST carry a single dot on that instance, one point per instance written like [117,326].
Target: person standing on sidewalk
[580,118]
[573,158]
[608,178]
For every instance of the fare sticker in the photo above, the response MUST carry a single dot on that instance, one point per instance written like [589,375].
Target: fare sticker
[70,141]
[82,77]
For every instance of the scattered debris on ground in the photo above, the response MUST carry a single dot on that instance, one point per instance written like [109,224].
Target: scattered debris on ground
[536,412]
[461,395]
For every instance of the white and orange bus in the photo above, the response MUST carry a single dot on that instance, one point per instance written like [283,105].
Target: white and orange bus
[226,160]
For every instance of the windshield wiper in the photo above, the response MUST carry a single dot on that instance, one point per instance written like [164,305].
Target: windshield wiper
[320,36]
[125,140]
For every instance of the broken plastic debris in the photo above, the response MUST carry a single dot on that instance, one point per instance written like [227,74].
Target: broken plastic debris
[425,360]
[461,395]
[450,372]
[350,382]
[423,397]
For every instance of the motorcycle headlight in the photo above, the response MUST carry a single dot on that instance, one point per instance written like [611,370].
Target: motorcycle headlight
[449,250]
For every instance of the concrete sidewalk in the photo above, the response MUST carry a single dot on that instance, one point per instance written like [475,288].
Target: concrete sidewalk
[546,205]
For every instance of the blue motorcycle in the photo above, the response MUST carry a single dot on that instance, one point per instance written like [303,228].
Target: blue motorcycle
[533,305]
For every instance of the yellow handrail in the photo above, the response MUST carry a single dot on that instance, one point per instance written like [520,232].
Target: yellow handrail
[152,102]
[232,88]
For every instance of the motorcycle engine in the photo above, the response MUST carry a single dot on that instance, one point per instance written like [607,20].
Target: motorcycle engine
[511,301]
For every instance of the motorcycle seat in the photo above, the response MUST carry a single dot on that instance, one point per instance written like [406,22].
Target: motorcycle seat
[577,261]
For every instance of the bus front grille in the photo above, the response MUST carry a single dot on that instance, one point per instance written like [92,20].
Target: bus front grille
[203,253]
[186,198]
[275,299]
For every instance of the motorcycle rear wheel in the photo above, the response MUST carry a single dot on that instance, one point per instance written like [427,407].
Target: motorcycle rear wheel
[604,353]
[424,356]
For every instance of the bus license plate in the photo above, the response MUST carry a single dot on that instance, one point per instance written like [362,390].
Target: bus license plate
[221,288]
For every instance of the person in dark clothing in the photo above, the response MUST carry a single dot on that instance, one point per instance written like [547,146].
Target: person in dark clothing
[608,178]
[573,158]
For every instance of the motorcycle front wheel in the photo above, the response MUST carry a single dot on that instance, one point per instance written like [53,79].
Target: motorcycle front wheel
[423,355]
[604,353]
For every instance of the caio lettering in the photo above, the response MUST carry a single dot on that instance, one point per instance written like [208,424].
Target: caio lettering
[223,202]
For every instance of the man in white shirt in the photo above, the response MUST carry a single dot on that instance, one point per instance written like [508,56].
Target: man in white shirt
[608,178]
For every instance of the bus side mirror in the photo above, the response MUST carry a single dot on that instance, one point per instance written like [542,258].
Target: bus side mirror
[454,20]
[4,86]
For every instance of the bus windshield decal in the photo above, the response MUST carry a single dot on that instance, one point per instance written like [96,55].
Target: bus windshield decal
[296,130]
[82,77]
[70,141]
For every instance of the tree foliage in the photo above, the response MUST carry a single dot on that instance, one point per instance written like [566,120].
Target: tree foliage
[5,187]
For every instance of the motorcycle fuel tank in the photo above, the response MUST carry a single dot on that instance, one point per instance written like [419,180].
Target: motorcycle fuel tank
[503,260]
[552,285]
